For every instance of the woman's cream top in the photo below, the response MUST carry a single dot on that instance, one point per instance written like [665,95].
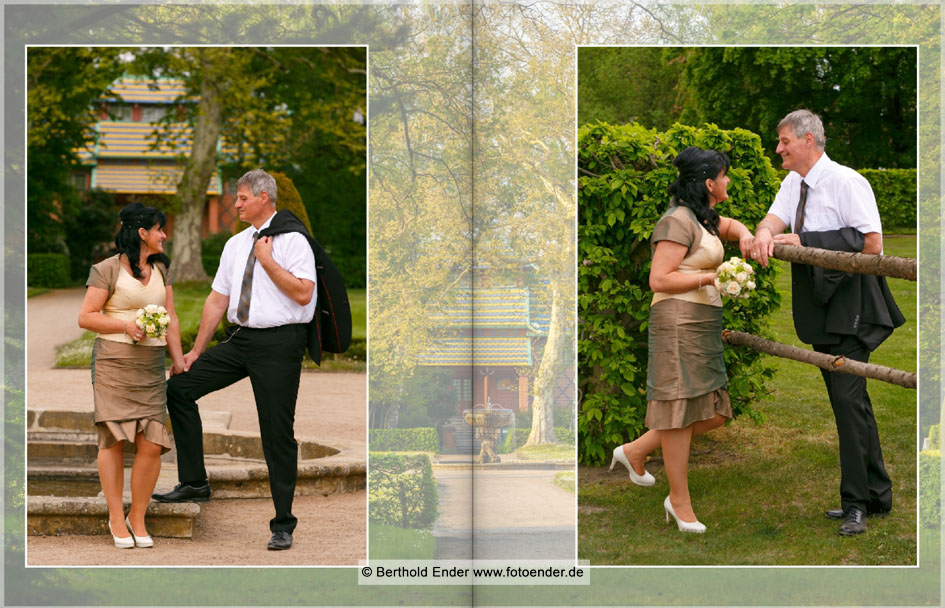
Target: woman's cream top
[705,253]
[128,297]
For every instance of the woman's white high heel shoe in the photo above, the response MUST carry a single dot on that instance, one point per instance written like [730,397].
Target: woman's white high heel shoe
[641,480]
[684,526]
[141,541]
[127,542]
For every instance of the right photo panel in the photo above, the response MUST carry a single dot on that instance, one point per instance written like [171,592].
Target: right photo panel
[747,318]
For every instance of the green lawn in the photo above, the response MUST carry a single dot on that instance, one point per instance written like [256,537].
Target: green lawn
[762,489]
[188,300]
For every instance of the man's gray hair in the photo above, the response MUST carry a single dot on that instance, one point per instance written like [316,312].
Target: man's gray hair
[259,181]
[804,122]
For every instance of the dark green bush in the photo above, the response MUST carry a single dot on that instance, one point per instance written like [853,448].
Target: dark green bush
[930,488]
[47,270]
[515,441]
[896,197]
[90,232]
[210,250]
[405,440]
[622,192]
[402,490]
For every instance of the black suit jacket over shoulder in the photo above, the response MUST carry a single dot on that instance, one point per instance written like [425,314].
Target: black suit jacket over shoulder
[330,329]
[829,304]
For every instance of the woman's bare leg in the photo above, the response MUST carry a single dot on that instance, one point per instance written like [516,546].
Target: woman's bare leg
[676,461]
[637,450]
[144,475]
[111,472]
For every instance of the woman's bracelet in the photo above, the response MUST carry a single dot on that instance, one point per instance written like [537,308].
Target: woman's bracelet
[700,281]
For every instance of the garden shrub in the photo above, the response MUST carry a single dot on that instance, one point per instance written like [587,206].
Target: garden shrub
[935,437]
[405,440]
[624,173]
[402,490]
[211,248]
[930,488]
[47,269]
[288,197]
[514,441]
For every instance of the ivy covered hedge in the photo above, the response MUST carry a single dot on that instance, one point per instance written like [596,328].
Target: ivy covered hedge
[624,173]
[564,436]
[405,440]
[402,490]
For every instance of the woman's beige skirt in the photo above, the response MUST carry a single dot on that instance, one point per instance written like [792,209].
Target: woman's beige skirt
[129,389]
[686,380]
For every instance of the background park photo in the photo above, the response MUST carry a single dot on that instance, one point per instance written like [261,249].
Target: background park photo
[174,128]
[766,477]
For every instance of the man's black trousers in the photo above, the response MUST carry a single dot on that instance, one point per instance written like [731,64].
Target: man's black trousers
[272,358]
[864,482]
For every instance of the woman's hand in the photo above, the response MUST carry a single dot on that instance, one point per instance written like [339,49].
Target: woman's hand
[708,278]
[133,331]
[745,244]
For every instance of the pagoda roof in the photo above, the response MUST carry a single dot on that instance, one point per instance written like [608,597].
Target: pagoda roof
[478,350]
[134,140]
[159,177]
[488,308]
[130,89]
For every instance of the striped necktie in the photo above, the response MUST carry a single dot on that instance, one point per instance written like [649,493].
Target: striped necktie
[246,288]
[799,216]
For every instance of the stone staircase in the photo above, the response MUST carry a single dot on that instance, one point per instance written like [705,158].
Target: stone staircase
[64,493]
[464,437]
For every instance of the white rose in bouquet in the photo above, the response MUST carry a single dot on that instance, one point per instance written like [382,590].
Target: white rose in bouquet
[153,320]
[734,278]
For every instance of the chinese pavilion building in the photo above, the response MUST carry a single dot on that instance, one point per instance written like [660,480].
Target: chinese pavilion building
[126,159]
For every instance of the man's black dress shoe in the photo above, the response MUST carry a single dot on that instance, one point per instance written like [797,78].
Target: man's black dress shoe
[280,540]
[185,492]
[854,523]
[838,513]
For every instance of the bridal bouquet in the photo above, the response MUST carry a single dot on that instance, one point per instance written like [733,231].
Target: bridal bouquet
[152,320]
[735,278]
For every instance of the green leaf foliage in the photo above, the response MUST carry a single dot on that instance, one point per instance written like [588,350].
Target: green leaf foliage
[896,196]
[47,269]
[625,171]
[405,440]
[402,490]
[930,488]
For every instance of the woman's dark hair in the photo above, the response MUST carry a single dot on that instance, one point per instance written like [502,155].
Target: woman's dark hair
[696,165]
[127,241]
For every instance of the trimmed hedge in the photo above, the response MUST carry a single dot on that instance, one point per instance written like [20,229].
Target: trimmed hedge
[402,490]
[405,440]
[622,192]
[935,437]
[930,488]
[47,270]
[562,435]
[896,197]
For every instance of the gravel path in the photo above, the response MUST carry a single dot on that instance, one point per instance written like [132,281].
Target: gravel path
[332,529]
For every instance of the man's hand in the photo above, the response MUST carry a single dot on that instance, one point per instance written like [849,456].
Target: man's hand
[264,249]
[762,246]
[788,238]
[189,359]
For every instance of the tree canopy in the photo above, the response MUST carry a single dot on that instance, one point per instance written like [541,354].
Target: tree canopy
[866,96]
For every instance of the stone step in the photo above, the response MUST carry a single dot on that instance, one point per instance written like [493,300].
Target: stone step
[57,516]
[38,419]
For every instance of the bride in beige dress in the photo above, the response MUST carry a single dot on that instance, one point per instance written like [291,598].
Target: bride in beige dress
[128,375]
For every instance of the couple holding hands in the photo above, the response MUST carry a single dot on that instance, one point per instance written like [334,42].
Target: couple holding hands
[826,205]
[265,286]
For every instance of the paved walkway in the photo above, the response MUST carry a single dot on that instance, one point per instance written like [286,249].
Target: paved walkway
[332,529]
[503,513]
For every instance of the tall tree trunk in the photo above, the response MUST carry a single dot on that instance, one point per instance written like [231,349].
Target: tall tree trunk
[200,167]
[546,379]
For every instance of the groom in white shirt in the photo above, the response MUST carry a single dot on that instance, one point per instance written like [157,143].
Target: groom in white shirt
[266,288]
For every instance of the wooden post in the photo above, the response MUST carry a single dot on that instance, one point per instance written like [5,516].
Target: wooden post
[863,263]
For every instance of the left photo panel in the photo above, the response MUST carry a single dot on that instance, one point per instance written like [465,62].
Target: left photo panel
[196,305]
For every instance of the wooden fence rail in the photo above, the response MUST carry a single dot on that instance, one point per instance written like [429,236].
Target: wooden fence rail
[828,362]
[863,263]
